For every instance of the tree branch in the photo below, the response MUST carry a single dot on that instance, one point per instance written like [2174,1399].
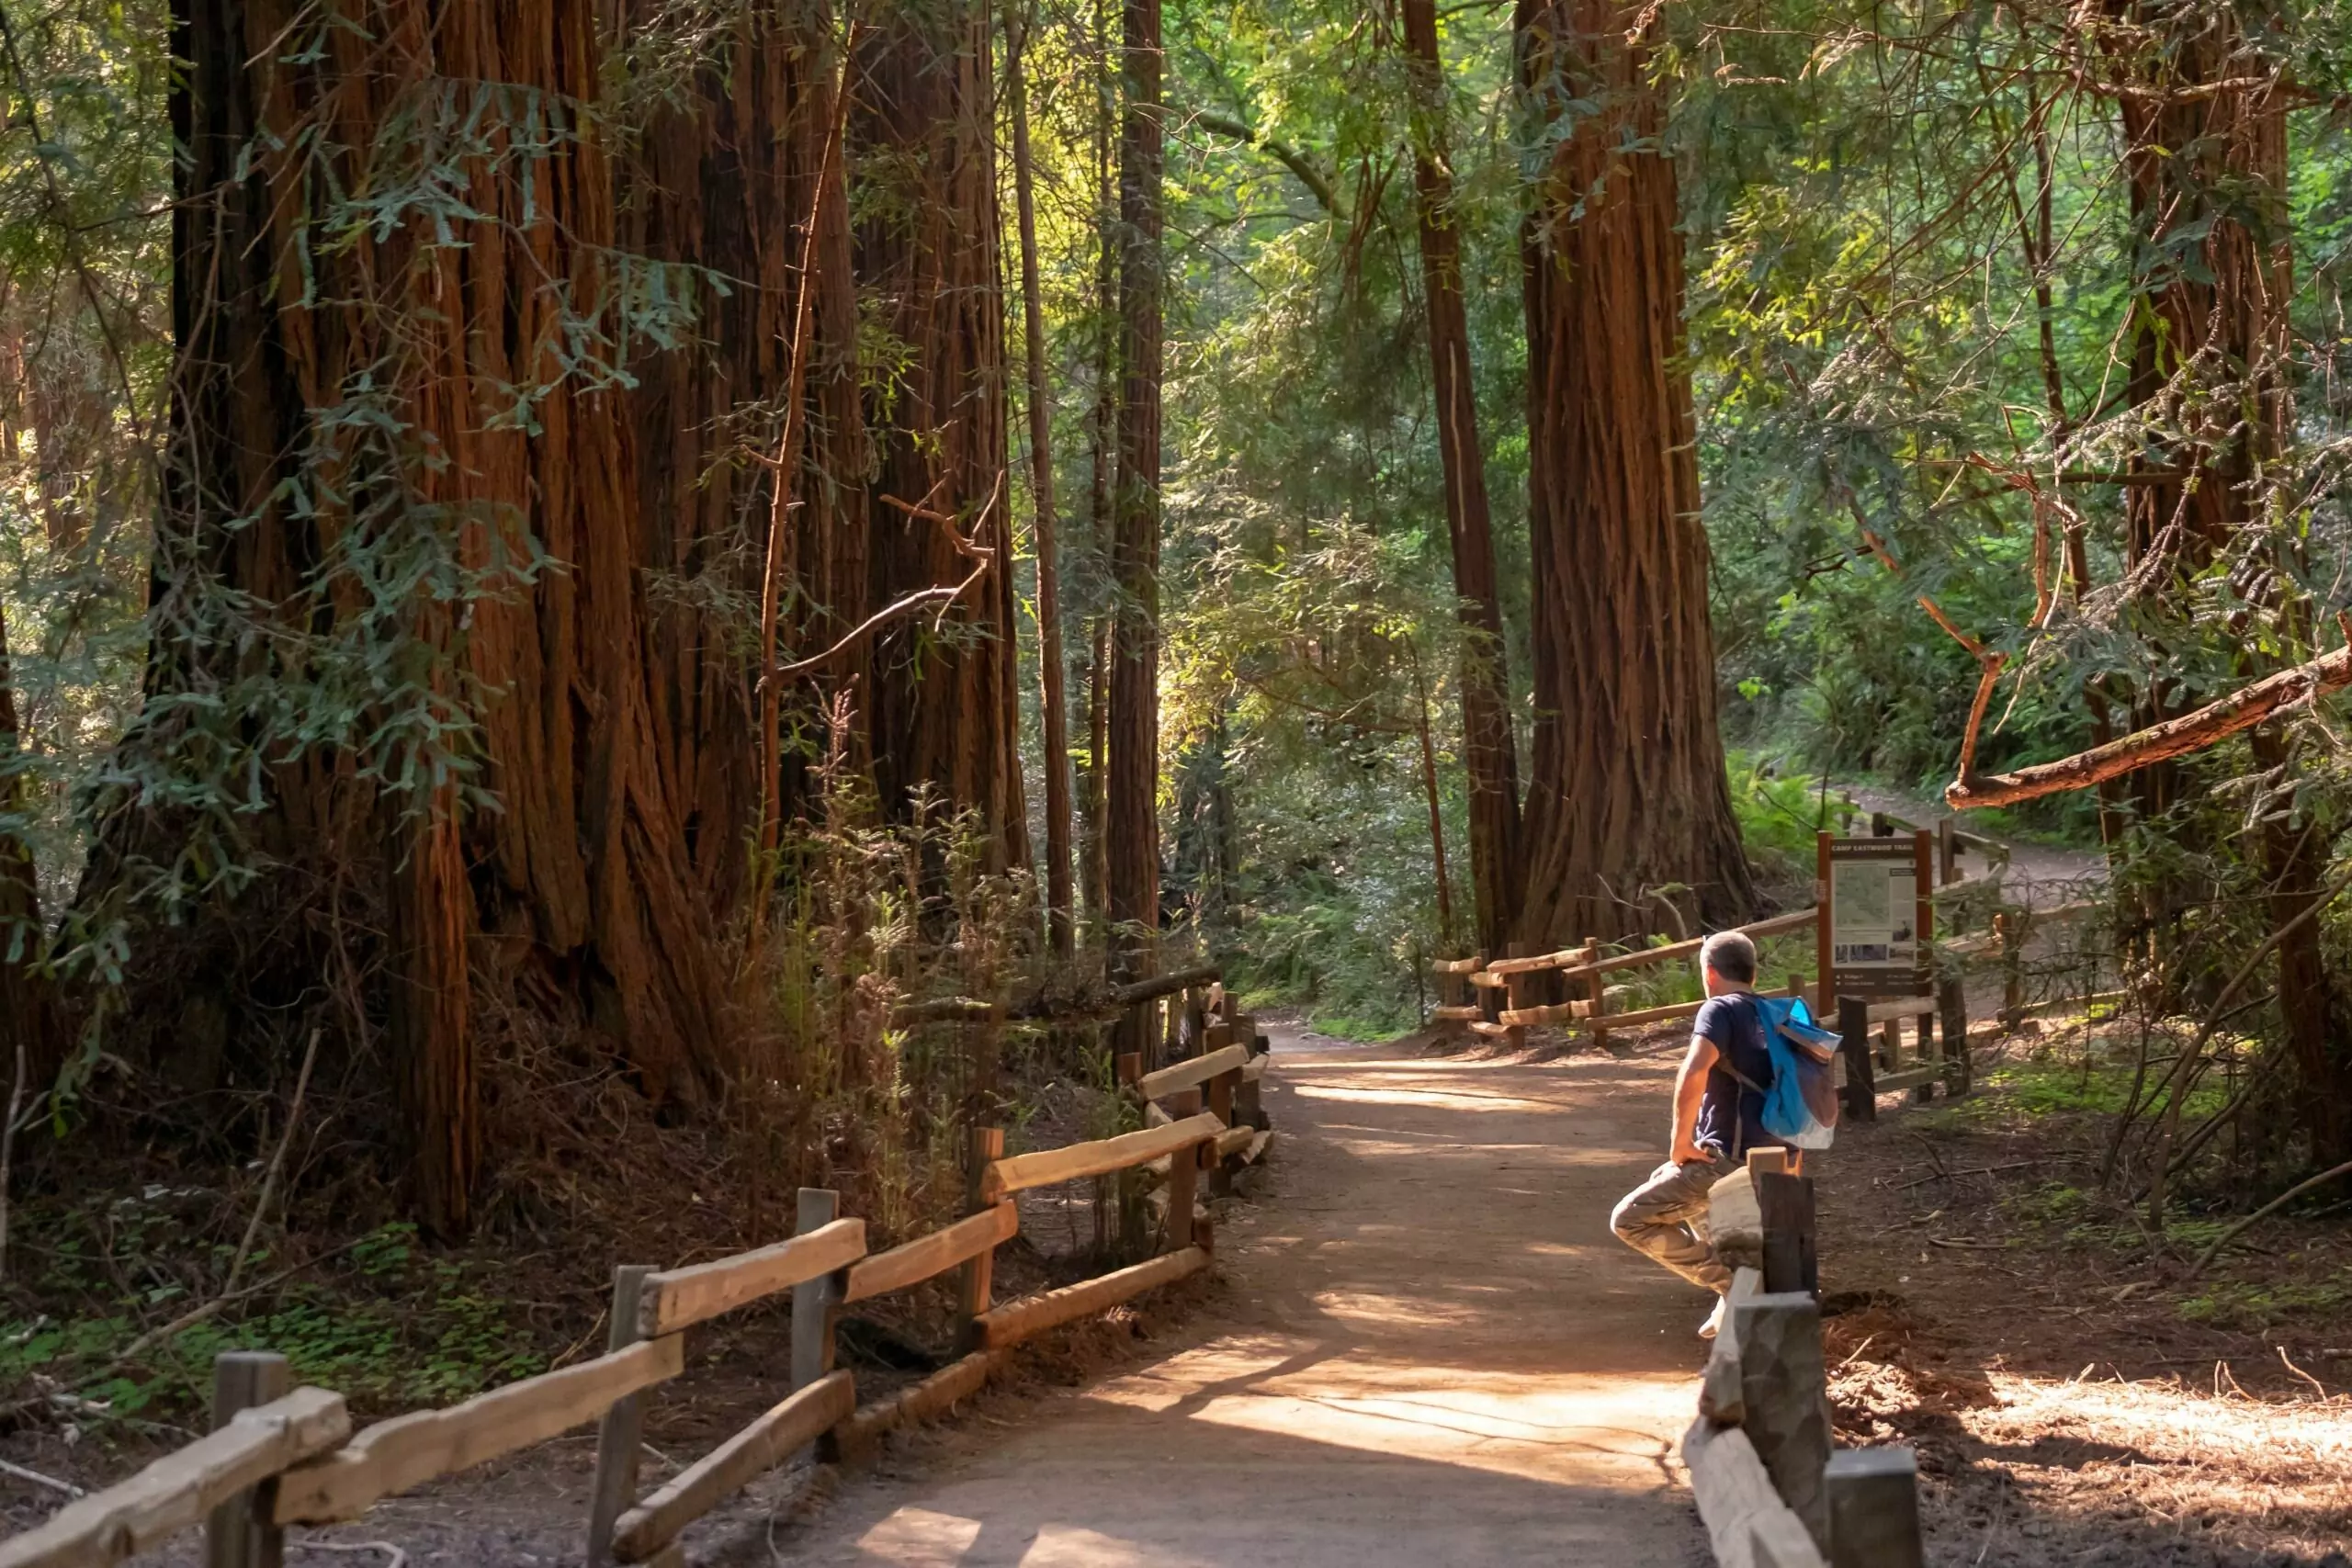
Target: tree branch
[2215,721]
[1318,183]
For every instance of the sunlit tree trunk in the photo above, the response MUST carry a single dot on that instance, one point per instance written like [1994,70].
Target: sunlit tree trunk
[1133,849]
[1489,753]
[1629,823]
[1053,676]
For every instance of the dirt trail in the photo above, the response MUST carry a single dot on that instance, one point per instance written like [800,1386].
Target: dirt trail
[1430,1351]
[2040,875]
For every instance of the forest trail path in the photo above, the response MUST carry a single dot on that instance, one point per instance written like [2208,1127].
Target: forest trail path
[2041,875]
[1431,1350]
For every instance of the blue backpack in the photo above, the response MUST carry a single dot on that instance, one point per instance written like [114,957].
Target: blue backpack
[1801,1105]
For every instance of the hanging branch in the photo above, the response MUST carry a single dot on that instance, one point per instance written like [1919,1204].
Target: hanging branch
[1989,662]
[2216,721]
[944,596]
[786,466]
[1318,183]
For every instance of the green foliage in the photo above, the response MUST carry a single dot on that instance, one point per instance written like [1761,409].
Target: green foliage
[395,1329]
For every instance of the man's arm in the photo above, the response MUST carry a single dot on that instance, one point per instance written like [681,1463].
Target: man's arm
[1689,1088]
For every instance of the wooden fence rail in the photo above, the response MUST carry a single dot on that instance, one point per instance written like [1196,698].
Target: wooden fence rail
[1770,1488]
[280,1457]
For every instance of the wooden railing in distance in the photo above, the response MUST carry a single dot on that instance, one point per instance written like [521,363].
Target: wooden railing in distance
[1771,1491]
[1571,960]
[1581,1012]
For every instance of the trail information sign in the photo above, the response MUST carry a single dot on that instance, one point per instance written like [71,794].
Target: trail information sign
[1877,915]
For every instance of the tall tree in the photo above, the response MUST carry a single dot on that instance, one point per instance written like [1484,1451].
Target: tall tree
[1132,830]
[740,171]
[1053,674]
[396,571]
[1629,820]
[2205,161]
[941,693]
[1489,751]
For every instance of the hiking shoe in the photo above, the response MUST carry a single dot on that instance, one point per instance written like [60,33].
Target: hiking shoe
[1714,1323]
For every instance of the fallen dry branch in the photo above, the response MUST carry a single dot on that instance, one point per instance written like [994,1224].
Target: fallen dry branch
[2216,721]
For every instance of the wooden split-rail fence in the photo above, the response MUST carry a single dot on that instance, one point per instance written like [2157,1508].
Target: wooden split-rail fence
[1772,1489]
[279,1456]
[1583,988]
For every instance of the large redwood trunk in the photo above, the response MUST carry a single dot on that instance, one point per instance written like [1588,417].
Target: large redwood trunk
[1132,840]
[2205,153]
[941,692]
[726,179]
[366,422]
[1491,755]
[1053,676]
[2213,323]
[1629,821]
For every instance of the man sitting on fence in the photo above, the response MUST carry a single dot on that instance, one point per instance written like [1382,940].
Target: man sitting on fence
[1718,1117]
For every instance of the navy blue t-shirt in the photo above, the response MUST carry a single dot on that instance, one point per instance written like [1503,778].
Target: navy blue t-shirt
[1731,1115]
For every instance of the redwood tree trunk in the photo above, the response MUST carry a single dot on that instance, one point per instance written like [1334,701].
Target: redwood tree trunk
[1053,675]
[725,177]
[2205,153]
[941,692]
[1133,848]
[344,414]
[1629,821]
[2198,153]
[1489,752]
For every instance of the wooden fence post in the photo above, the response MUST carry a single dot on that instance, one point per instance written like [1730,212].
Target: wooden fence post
[812,1300]
[1784,1204]
[1515,995]
[1184,1178]
[622,1430]
[1874,1508]
[240,1534]
[1861,1080]
[814,1303]
[1222,1091]
[979,1281]
[2012,969]
[1952,1003]
[1596,990]
[1782,1388]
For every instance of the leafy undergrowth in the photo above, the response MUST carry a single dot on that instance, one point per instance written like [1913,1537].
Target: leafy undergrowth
[389,1323]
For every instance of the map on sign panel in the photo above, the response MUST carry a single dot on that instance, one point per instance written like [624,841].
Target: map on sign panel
[1876,912]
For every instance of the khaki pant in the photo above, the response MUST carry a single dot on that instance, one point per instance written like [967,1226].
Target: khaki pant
[1666,1217]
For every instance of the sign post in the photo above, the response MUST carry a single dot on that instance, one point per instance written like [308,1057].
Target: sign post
[1877,927]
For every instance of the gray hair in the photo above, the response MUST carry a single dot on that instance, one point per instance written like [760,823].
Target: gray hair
[1731,954]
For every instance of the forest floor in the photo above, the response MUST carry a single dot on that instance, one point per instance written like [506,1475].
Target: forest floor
[1422,1346]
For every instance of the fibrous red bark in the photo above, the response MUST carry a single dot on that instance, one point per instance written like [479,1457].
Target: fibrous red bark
[373,425]
[1629,823]
[941,685]
[1131,849]
[725,177]
[1490,754]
